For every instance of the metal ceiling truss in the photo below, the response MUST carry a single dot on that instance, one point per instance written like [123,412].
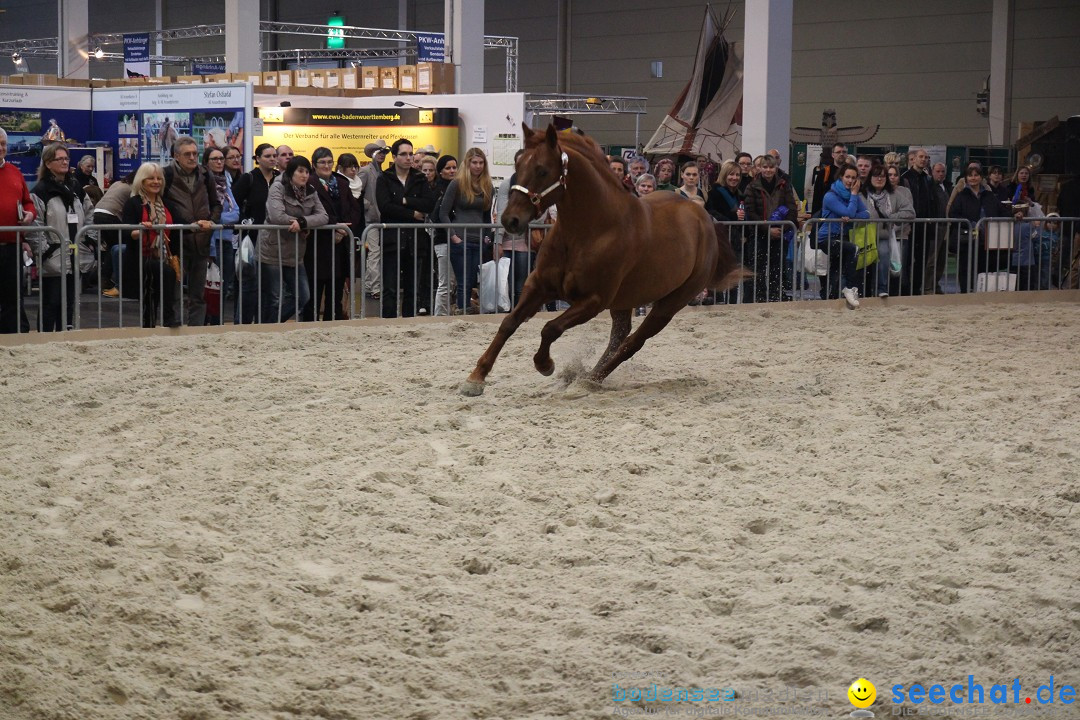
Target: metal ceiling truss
[559,104]
[40,47]
[491,42]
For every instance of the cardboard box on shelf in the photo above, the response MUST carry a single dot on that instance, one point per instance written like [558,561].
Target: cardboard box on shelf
[270,78]
[388,78]
[369,77]
[317,78]
[255,78]
[189,79]
[407,78]
[163,80]
[357,92]
[302,78]
[435,78]
[39,79]
[218,78]
[285,78]
[347,78]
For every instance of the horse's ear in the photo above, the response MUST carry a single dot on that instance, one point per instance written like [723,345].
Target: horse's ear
[532,138]
[552,136]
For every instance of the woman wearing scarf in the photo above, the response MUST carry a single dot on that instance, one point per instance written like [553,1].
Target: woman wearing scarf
[844,203]
[887,200]
[327,259]
[146,207]
[62,206]
[223,242]
[349,167]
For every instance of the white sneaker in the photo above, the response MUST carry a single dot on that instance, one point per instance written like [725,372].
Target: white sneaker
[852,296]
[883,295]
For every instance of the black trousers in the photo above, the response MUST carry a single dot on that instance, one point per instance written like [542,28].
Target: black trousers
[52,318]
[406,270]
[12,316]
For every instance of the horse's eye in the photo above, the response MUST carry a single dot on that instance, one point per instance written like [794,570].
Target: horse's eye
[541,172]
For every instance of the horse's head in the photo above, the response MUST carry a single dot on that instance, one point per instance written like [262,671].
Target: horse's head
[541,177]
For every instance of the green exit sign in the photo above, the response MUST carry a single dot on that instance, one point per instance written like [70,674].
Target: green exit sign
[335,36]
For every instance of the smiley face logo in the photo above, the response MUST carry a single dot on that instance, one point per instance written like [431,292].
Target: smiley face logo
[862,693]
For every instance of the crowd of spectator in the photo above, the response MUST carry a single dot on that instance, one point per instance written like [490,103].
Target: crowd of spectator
[306,270]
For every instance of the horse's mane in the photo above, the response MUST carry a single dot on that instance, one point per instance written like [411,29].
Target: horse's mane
[587,148]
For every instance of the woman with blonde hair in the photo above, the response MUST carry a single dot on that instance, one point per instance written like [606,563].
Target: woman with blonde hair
[468,200]
[146,208]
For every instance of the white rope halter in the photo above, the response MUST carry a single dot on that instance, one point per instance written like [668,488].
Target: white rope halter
[535,198]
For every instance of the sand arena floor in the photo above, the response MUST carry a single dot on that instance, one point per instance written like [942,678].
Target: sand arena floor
[314,524]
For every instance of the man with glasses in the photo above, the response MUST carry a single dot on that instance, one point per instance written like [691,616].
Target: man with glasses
[16,208]
[369,176]
[404,196]
[192,199]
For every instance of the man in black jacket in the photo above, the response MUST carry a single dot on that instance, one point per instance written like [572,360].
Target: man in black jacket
[403,196]
[917,179]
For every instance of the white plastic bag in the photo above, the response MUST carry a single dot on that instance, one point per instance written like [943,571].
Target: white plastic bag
[815,261]
[895,264]
[245,256]
[495,286]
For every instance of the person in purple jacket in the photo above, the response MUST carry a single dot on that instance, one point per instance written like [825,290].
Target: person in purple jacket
[844,203]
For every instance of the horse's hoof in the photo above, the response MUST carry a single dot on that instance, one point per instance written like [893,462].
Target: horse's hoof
[546,370]
[471,389]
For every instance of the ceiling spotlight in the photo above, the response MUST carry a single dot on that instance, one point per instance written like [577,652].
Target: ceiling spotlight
[98,52]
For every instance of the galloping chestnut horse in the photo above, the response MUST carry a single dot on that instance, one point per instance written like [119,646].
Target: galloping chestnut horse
[607,250]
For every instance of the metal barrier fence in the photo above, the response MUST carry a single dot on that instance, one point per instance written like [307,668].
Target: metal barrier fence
[434,268]
[882,257]
[263,290]
[416,269]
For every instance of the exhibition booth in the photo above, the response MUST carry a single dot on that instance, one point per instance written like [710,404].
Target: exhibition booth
[126,126]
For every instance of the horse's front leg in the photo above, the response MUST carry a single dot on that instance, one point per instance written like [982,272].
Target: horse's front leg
[620,328]
[577,314]
[531,300]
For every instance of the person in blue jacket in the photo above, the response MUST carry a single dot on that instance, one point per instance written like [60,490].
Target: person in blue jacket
[843,203]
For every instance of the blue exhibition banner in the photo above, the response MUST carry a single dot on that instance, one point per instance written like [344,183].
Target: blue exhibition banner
[430,47]
[207,68]
[137,55]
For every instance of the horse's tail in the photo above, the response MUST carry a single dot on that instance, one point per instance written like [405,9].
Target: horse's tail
[729,272]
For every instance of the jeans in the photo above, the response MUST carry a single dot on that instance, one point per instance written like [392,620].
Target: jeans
[465,259]
[284,289]
[246,310]
[843,256]
[373,272]
[521,264]
[446,279]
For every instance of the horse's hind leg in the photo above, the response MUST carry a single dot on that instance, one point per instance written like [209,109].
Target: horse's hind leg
[620,328]
[578,314]
[657,319]
[531,300]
